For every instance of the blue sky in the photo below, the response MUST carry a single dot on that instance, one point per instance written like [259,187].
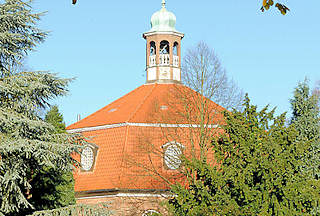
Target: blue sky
[100,44]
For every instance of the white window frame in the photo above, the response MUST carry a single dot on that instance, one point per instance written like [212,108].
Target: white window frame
[150,212]
[166,159]
[87,167]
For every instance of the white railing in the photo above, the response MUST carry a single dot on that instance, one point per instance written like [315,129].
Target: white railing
[152,60]
[164,59]
[176,61]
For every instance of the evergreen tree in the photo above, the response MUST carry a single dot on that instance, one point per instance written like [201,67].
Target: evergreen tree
[306,119]
[52,187]
[55,118]
[18,33]
[28,144]
[257,172]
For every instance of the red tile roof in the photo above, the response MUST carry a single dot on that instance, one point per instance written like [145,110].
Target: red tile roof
[127,153]
[138,105]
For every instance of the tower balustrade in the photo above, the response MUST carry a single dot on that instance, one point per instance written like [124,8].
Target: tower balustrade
[164,59]
[176,61]
[152,60]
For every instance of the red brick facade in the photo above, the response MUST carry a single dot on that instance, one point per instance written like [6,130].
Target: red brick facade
[129,204]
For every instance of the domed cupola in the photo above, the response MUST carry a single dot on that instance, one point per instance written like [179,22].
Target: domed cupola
[163,48]
[163,20]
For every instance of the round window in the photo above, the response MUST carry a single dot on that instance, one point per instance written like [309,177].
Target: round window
[172,157]
[87,158]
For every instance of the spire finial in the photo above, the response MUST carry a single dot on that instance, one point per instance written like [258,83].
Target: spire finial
[163,3]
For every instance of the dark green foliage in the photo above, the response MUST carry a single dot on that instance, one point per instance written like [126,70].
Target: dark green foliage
[55,118]
[30,148]
[18,33]
[306,119]
[27,143]
[53,188]
[258,173]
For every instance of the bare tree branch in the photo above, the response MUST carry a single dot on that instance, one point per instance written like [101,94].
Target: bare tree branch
[203,72]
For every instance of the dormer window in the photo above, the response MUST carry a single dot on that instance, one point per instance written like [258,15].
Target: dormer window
[172,155]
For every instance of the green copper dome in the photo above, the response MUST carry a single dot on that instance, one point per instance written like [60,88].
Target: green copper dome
[163,21]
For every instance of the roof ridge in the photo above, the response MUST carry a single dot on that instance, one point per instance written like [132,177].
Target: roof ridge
[144,99]
[101,109]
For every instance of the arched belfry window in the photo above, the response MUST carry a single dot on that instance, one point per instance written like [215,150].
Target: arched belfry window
[153,49]
[175,48]
[164,53]
[175,54]
[164,47]
[153,52]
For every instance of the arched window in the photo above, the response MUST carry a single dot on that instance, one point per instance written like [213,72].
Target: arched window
[164,47]
[175,48]
[175,54]
[153,49]
[172,155]
[150,212]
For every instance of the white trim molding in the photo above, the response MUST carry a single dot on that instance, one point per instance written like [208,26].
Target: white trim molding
[144,35]
[161,125]
[126,195]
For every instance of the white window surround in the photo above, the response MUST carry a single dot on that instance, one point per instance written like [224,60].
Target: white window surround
[172,143]
[87,158]
[172,153]
[150,212]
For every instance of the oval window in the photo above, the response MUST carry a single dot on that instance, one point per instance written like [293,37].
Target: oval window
[87,158]
[172,157]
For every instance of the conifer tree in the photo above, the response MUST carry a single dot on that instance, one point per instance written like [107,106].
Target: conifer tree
[257,172]
[55,118]
[28,143]
[306,119]
[52,187]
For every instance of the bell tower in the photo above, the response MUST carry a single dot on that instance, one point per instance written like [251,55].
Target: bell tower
[163,63]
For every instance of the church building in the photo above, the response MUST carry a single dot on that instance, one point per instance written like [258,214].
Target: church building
[136,142]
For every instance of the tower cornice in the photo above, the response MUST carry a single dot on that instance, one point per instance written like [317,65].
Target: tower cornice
[146,34]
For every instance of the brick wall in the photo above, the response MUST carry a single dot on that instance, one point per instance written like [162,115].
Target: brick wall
[128,205]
